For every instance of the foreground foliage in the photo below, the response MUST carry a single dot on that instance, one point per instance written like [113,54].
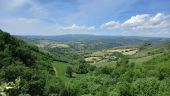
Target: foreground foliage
[21,60]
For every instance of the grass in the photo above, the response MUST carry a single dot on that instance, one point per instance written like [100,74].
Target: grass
[61,69]
[143,59]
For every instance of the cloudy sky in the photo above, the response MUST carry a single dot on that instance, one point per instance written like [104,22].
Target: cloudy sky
[98,17]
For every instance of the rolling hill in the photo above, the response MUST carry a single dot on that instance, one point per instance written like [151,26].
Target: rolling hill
[26,70]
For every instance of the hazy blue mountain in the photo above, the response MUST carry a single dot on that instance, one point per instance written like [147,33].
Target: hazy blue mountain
[120,40]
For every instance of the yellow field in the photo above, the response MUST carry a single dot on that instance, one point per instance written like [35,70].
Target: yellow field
[125,51]
[99,56]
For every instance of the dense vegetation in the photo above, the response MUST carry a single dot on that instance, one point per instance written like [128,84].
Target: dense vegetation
[30,67]
[127,79]
[27,70]
[19,60]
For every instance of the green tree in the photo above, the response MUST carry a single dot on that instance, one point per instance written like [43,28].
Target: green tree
[69,71]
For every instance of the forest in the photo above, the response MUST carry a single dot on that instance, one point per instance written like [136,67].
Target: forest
[48,67]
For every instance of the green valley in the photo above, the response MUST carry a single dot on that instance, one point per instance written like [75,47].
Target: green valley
[47,67]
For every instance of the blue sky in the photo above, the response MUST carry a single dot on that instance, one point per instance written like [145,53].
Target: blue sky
[99,17]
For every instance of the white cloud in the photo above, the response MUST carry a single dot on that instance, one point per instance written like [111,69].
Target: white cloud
[136,20]
[144,21]
[144,24]
[75,27]
[111,24]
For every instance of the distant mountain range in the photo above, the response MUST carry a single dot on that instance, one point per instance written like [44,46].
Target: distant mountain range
[115,39]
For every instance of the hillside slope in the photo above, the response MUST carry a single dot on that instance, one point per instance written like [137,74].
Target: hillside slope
[24,69]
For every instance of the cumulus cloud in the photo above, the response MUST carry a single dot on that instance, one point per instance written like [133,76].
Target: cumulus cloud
[157,23]
[111,25]
[142,25]
[144,21]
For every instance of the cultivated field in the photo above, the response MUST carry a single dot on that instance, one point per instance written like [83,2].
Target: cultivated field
[107,55]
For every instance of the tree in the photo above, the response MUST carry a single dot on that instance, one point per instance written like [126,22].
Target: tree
[69,71]
[82,69]
[146,87]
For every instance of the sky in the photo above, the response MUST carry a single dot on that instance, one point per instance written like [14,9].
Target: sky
[97,17]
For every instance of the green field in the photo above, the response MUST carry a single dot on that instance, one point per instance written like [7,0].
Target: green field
[143,59]
[61,69]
